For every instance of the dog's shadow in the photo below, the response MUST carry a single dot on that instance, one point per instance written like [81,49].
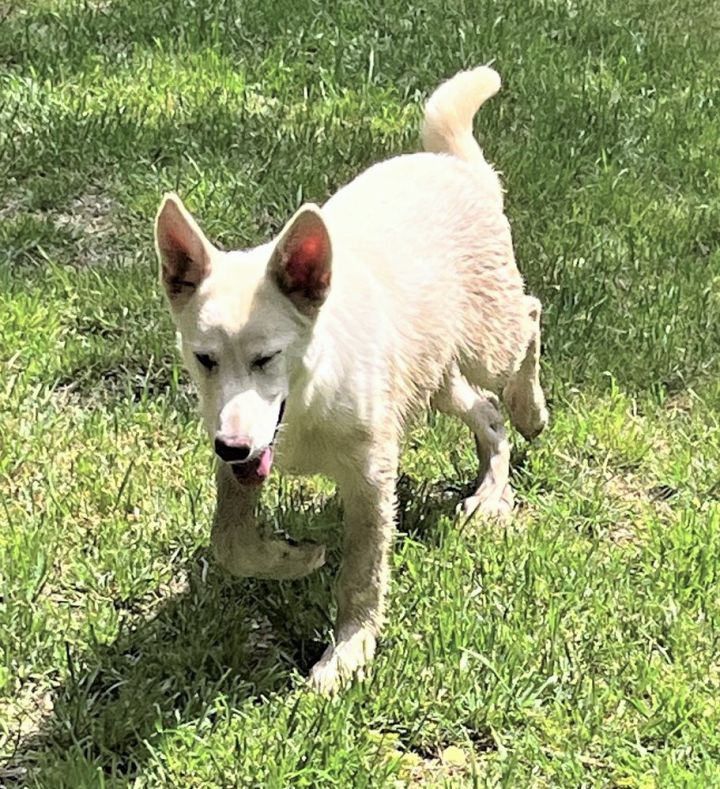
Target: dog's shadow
[216,635]
[211,635]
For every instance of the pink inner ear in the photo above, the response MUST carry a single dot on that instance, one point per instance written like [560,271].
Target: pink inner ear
[179,262]
[309,248]
[307,267]
[184,262]
[174,242]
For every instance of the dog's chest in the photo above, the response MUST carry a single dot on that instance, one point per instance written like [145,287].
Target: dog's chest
[302,449]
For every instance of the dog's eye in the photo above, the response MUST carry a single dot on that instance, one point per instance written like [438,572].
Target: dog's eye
[260,361]
[206,361]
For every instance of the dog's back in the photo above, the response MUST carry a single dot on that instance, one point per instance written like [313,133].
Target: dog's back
[424,272]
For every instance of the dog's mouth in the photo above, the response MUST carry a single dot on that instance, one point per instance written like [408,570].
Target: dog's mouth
[257,470]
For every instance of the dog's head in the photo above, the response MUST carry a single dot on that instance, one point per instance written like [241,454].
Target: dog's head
[245,320]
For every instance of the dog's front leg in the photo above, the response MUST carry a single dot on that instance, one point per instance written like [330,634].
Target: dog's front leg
[368,496]
[239,543]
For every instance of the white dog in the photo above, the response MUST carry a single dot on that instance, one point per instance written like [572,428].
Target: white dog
[312,350]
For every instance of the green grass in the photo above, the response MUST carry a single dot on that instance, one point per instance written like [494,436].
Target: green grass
[578,646]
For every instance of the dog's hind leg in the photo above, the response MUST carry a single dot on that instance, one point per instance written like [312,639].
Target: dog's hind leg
[240,545]
[523,394]
[480,412]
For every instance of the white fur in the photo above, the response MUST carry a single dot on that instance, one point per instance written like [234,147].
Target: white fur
[425,305]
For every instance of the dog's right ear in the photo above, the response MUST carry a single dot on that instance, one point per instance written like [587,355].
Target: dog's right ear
[301,262]
[183,250]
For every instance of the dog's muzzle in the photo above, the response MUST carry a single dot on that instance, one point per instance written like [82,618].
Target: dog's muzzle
[250,472]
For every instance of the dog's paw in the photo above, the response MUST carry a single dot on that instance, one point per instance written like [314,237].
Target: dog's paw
[340,662]
[296,561]
[492,506]
[275,560]
[531,418]
[528,409]
[538,423]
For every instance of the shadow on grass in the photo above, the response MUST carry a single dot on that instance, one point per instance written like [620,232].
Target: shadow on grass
[70,32]
[214,636]
[241,639]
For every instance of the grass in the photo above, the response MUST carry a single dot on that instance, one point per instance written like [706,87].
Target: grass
[577,646]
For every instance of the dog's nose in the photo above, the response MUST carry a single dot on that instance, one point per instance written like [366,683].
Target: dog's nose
[233,450]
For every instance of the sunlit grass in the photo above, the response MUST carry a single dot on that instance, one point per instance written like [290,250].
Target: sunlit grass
[575,646]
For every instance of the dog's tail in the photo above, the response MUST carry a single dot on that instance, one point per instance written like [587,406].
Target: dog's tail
[447,126]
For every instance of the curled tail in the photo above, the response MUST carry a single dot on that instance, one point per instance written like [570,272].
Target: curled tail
[447,126]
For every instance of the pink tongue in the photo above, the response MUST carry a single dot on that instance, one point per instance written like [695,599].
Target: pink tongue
[264,463]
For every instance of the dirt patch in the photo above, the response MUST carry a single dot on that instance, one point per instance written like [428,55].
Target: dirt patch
[89,219]
[87,224]
[638,497]
[23,718]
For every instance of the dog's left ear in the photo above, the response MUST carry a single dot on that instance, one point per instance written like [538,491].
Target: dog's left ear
[183,250]
[301,261]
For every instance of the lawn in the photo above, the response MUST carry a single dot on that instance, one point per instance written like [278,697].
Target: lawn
[578,645]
